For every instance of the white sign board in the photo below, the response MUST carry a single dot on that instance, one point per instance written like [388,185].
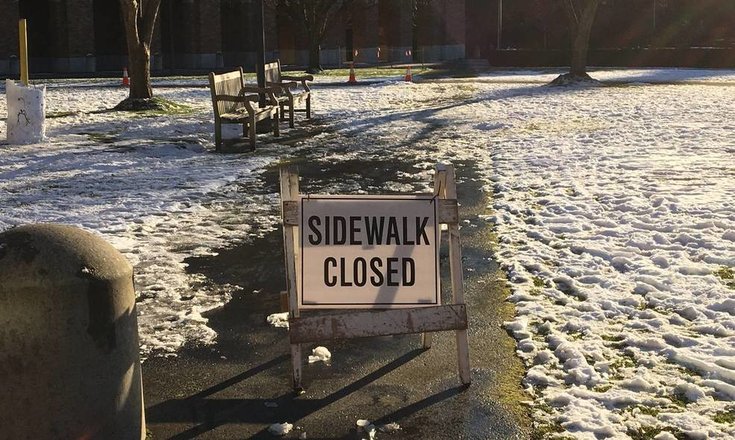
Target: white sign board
[368,252]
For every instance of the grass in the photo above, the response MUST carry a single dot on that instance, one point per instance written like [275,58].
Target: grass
[546,430]
[727,275]
[679,399]
[650,432]
[102,137]
[725,417]
[626,361]
[613,338]
[167,107]
[373,72]
[52,115]
[152,107]
[647,410]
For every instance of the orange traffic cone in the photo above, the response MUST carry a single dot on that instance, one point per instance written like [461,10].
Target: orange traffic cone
[126,80]
[409,77]
[352,79]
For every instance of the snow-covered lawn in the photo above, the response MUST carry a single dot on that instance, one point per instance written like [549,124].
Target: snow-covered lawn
[613,207]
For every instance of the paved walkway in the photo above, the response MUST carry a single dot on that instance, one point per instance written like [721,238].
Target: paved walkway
[240,386]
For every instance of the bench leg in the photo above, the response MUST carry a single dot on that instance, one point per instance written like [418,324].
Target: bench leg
[275,122]
[290,115]
[308,107]
[252,133]
[217,136]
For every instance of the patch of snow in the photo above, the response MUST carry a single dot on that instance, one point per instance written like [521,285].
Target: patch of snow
[280,429]
[279,320]
[320,354]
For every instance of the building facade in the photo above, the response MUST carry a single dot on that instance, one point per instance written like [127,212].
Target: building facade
[86,36]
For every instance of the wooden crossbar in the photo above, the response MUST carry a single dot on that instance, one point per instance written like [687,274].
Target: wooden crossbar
[366,323]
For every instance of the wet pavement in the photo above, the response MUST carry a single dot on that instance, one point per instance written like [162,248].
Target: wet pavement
[238,387]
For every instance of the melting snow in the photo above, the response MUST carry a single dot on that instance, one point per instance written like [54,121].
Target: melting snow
[320,354]
[613,208]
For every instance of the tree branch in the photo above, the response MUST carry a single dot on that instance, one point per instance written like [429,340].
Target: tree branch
[149,13]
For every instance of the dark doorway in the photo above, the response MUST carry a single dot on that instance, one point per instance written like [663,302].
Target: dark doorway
[109,36]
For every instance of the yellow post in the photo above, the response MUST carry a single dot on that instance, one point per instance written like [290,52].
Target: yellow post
[23,38]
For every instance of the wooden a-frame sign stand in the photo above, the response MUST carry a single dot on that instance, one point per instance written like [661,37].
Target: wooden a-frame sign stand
[348,324]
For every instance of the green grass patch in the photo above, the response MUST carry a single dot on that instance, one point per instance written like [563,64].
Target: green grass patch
[650,432]
[546,431]
[109,137]
[727,275]
[538,282]
[725,417]
[52,115]
[618,364]
[152,107]
[679,399]
[602,388]
[372,72]
[647,410]
[167,107]
[613,338]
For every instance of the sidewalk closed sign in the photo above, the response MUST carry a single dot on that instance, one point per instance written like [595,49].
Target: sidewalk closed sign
[368,252]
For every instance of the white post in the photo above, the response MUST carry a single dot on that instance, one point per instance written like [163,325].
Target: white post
[290,192]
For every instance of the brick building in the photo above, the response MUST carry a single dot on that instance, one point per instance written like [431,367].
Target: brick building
[87,36]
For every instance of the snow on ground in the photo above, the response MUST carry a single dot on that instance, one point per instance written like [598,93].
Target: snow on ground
[613,208]
[148,186]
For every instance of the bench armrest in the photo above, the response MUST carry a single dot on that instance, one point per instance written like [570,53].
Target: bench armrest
[248,100]
[298,77]
[283,85]
[270,91]
[302,79]
[256,89]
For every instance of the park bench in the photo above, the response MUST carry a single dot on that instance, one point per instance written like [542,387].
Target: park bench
[287,92]
[236,103]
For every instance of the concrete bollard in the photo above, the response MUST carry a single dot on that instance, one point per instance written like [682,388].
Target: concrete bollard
[69,359]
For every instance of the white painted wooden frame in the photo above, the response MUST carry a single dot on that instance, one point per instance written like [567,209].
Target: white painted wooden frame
[354,324]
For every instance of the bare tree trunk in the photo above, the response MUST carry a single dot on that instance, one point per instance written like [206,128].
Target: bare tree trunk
[139,58]
[314,55]
[581,15]
[581,41]
[139,18]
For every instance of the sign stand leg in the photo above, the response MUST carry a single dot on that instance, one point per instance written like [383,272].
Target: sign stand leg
[449,191]
[440,178]
[290,192]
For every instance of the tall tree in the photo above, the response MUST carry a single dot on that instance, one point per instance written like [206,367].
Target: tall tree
[139,18]
[312,16]
[581,17]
